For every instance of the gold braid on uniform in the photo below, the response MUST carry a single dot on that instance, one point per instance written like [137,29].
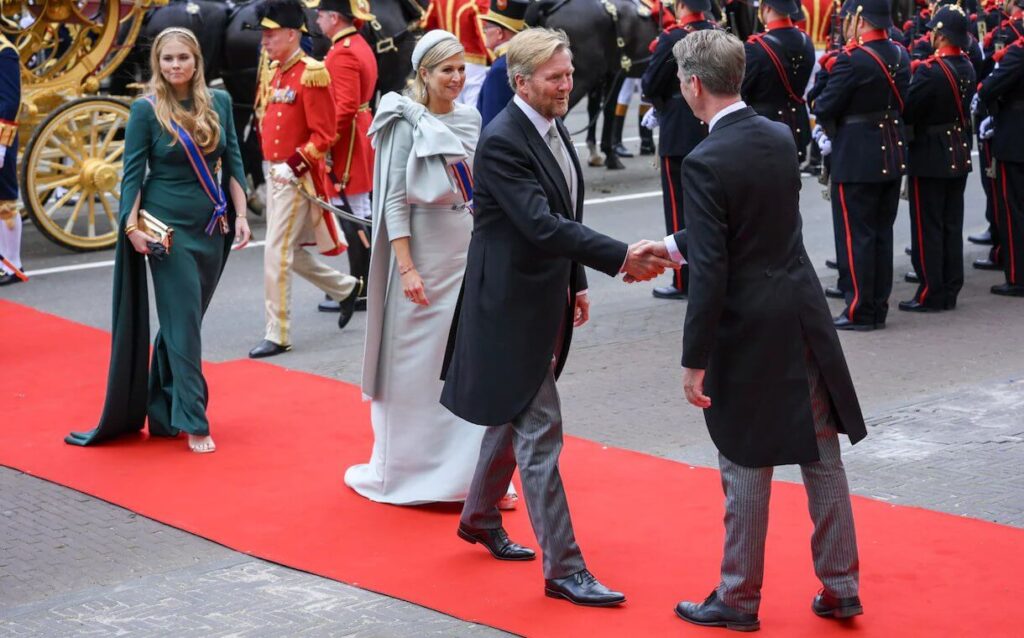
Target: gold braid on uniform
[316,74]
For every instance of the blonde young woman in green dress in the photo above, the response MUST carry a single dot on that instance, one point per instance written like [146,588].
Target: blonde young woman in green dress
[159,178]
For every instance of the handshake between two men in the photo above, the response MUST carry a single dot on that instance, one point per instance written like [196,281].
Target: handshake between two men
[646,260]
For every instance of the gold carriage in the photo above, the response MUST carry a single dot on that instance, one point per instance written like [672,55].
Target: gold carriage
[72,138]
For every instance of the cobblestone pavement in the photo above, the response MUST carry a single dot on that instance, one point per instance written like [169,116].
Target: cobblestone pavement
[943,394]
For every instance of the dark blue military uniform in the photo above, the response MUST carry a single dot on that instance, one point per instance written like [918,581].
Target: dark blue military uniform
[937,114]
[681,131]
[10,102]
[861,109]
[496,92]
[779,65]
[1002,93]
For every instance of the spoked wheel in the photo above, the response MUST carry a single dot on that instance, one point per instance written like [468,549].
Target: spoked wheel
[71,173]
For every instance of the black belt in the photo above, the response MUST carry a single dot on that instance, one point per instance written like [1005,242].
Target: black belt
[869,118]
[948,127]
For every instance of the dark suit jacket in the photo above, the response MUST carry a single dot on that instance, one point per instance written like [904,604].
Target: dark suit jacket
[755,302]
[525,263]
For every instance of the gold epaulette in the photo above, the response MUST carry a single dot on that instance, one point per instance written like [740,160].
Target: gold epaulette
[316,74]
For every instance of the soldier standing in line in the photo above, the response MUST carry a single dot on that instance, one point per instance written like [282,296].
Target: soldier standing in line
[779,65]
[10,103]
[353,70]
[462,19]
[861,110]
[500,24]
[1007,28]
[681,131]
[1002,93]
[939,159]
[297,130]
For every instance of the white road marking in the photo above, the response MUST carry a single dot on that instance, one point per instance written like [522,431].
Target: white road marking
[99,264]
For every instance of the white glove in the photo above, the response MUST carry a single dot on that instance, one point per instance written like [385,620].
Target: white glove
[975,101]
[282,173]
[650,120]
[987,128]
[3,154]
[824,143]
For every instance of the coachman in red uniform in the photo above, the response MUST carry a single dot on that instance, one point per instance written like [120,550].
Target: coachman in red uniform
[462,19]
[353,69]
[297,130]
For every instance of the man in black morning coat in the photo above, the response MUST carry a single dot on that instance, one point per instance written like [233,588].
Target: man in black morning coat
[760,353]
[523,291]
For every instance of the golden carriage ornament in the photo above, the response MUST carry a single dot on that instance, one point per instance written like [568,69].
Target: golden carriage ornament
[72,137]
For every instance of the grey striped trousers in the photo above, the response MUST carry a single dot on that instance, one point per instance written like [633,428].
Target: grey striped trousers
[533,440]
[747,490]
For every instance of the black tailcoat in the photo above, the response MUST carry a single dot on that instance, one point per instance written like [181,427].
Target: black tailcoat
[755,302]
[525,263]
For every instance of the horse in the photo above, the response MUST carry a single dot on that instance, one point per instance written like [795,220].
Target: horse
[609,40]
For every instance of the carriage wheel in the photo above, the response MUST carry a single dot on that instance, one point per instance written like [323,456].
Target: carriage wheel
[71,173]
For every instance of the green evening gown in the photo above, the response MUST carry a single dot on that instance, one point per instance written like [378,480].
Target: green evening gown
[173,392]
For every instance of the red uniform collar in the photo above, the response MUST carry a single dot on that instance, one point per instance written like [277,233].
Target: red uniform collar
[781,23]
[949,51]
[690,19]
[873,35]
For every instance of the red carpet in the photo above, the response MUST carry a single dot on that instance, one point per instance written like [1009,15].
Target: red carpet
[648,526]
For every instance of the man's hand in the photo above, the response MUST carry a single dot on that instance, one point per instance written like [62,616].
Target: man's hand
[646,260]
[582,314]
[693,388]
[282,174]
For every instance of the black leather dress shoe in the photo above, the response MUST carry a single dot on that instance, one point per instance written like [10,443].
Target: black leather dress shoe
[986,264]
[7,279]
[914,306]
[622,151]
[1008,290]
[668,292]
[267,348]
[832,263]
[582,588]
[347,306]
[833,292]
[842,322]
[909,251]
[497,543]
[911,277]
[984,238]
[828,606]
[714,613]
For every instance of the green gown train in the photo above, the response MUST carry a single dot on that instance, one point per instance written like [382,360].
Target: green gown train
[171,389]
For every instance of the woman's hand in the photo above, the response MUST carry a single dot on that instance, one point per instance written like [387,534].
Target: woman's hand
[412,286]
[139,241]
[242,233]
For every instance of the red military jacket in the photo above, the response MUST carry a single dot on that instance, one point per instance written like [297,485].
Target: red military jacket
[353,70]
[462,18]
[298,125]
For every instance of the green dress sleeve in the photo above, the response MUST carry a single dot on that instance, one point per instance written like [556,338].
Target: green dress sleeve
[232,164]
[137,143]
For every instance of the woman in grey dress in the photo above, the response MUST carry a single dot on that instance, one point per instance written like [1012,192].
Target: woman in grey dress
[422,224]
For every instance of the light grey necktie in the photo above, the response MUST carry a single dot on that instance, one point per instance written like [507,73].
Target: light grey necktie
[558,150]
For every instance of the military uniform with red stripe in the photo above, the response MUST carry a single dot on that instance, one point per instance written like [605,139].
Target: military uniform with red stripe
[1002,92]
[939,158]
[462,19]
[681,131]
[861,108]
[779,65]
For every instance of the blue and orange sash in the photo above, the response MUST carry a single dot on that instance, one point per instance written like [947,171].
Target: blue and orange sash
[464,181]
[205,176]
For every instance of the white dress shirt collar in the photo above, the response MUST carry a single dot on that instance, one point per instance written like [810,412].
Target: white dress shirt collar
[732,108]
[542,123]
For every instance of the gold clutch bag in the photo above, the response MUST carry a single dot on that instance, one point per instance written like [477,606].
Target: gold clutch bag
[153,227]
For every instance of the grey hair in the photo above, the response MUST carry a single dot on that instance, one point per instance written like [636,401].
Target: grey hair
[417,89]
[531,48]
[716,57]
